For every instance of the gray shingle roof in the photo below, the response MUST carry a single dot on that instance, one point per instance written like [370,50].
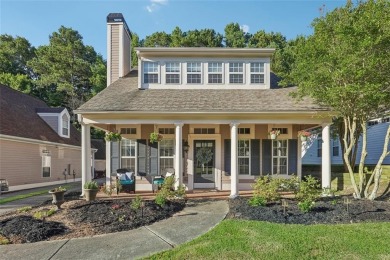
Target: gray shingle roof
[124,95]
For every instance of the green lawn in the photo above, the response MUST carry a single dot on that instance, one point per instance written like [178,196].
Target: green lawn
[236,239]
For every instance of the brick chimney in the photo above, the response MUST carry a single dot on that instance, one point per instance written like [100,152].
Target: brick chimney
[118,47]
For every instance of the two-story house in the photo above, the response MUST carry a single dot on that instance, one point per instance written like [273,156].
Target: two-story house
[214,107]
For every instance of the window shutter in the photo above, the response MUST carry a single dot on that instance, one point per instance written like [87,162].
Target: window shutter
[153,159]
[228,156]
[267,157]
[141,157]
[292,156]
[255,157]
[115,156]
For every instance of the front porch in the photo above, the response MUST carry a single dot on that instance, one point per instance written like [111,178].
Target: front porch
[222,156]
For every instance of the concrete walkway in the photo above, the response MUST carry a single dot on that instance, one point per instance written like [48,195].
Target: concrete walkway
[197,218]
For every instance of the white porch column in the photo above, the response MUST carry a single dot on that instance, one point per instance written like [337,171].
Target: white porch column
[85,154]
[108,163]
[178,155]
[234,160]
[299,156]
[326,163]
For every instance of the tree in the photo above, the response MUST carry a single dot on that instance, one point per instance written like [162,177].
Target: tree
[66,68]
[19,82]
[158,39]
[345,65]
[234,36]
[176,37]
[134,43]
[202,38]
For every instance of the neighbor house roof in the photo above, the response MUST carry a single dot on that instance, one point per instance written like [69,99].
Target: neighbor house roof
[124,95]
[49,110]
[18,117]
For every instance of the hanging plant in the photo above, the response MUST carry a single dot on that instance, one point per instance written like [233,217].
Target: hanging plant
[113,137]
[155,137]
[204,155]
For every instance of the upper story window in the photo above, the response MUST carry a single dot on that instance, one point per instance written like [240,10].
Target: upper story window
[172,73]
[236,72]
[65,125]
[215,74]
[204,130]
[194,72]
[150,72]
[166,131]
[244,131]
[257,72]
[128,131]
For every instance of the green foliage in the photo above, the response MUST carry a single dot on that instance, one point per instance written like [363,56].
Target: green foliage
[160,199]
[60,188]
[155,137]
[91,185]
[18,82]
[24,209]
[135,42]
[158,39]
[167,191]
[136,202]
[306,205]
[309,189]
[256,201]
[268,188]
[112,137]
[107,189]
[44,213]
[234,36]
[4,240]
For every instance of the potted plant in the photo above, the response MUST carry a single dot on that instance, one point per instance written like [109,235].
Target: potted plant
[113,137]
[58,196]
[91,188]
[155,137]
[303,135]
[274,133]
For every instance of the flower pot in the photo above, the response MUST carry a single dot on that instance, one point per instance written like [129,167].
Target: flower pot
[303,138]
[273,136]
[90,194]
[58,198]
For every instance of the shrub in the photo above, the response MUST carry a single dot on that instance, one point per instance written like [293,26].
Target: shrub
[306,205]
[136,202]
[256,201]
[107,189]
[267,188]
[91,185]
[4,240]
[160,199]
[309,190]
[25,209]
[167,191]
[44,213]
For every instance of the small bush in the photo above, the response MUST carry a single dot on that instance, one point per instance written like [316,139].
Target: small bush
[256,201]
[4,240]
[306,205]
[160,199]
[44,213]
[24,209]
[309,190]
[267,188]
[136,203]
[91,185]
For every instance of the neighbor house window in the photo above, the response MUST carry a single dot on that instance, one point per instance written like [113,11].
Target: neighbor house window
[46,165]
[336,147]
[128,153]
[167,148]
[243,156]
[257,72]
[150,72]
[194,72]
[65,125]
[236,72]
[128,131]
[172,72]
[215,72]
[279,156]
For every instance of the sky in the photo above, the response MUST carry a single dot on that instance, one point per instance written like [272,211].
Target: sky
[36,20]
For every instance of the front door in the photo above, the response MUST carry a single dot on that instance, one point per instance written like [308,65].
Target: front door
[204,164]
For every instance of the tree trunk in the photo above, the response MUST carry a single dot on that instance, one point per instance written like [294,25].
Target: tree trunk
[363,155]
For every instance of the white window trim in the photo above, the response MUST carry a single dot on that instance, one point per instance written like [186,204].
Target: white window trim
[158,71]
[279,157]
[230,73]
[249,156]
[129,157]
[173,73]
[256,73]
[60,125]
[222,72]
[42,165]
[198,73]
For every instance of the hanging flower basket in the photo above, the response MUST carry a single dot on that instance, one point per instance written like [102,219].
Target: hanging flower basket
[113,137]
[156,137]
[204,155]
[274,134]
[303,135]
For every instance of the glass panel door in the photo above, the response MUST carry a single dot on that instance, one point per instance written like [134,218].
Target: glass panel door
[204,161]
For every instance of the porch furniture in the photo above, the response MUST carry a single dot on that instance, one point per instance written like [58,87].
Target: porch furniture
[127,179]
[157,181]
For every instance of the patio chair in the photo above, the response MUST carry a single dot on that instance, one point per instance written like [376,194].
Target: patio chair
[158,180]
[126,178]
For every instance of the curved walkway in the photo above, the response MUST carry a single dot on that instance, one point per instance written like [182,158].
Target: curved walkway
[197,218]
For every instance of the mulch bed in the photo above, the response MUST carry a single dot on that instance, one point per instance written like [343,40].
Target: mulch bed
[80,218]
[325,211]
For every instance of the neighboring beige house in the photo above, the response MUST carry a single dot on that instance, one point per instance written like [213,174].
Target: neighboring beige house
[214,107]
[38,144]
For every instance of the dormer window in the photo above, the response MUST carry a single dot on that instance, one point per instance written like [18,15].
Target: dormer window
[194,73]
[172,73]
[257,73]
[150,72]
[215,70]
[236,72]
[65,125]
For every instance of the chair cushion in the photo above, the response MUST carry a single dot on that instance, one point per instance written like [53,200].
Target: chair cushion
[126,182]
[158,181]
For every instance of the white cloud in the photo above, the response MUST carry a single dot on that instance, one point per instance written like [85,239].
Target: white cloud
[155,5]
[245,28]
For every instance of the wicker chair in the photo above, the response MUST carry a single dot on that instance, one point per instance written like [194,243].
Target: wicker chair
[127,182]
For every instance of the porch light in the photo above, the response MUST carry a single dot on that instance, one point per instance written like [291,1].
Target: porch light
[186,146]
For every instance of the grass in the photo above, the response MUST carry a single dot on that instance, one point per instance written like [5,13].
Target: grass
[28,195]
[239,239]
